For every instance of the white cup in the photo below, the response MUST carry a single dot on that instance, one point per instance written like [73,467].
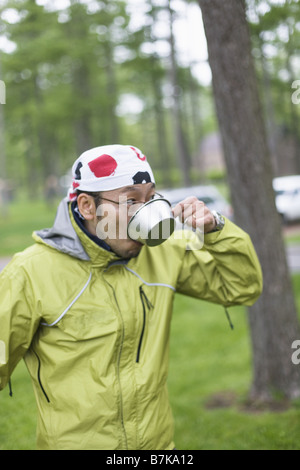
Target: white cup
[153,223]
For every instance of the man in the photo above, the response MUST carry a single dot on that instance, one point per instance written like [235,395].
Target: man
[92,317]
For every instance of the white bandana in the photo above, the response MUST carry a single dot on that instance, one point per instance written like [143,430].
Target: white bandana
[109,167]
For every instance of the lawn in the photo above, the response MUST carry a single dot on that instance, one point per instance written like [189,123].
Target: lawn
[20,221]
[210,375]
[210,371]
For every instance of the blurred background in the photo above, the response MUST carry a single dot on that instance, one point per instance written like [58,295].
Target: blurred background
[85,73]
[80,74]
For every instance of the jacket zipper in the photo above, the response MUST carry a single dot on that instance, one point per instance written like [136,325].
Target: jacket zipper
[118,364]
[39,377]
[119,379]
[144,300]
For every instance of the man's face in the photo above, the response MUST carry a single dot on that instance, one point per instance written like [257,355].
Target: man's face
[111,218]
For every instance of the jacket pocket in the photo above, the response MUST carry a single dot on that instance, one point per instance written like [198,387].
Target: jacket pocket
[39,377]
[146,304]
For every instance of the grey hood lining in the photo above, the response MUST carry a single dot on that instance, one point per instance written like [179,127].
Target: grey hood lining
[62,236]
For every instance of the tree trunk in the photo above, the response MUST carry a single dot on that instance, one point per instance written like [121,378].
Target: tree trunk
[181,143]
[114,131]
[271,126]
[78,33]
[163,150]
[273,319]
[42,141]
[82,93]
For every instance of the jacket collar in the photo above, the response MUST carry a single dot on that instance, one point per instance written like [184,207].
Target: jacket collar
[99,254]
[79,221]
[66,237]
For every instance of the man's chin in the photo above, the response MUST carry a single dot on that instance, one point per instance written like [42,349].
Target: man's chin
[128,249]
[134,250]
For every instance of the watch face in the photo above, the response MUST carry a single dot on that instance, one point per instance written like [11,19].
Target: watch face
[220,221]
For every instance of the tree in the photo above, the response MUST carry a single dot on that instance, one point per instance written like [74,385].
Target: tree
[181,143]
[61,81]
[273,319]
[275,38]
[29,130]
[71,75]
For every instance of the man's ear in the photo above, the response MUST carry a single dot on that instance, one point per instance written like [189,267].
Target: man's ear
[86,205]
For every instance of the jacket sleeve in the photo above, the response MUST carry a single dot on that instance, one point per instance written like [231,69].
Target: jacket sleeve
[225,271]
[17,323]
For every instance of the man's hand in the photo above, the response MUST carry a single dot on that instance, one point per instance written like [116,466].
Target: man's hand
[195,213]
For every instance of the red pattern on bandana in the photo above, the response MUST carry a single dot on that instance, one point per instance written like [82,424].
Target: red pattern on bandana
[141,157]
[105,165]
[72,196]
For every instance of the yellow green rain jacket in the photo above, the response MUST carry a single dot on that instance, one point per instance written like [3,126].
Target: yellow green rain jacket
[94,329]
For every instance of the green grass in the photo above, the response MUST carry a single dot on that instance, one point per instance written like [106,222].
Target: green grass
[21,220]
[293,239]
[18,414]
[207,360]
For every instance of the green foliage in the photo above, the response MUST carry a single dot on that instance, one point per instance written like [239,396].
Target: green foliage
[276,38]
[66,80]
[72,66]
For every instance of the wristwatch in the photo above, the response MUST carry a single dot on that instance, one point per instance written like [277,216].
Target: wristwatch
[220,221]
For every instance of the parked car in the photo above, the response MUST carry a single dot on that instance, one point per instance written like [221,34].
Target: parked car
[287,197]
[210,195]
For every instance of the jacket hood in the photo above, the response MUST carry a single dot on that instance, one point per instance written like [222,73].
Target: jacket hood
[62,236]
